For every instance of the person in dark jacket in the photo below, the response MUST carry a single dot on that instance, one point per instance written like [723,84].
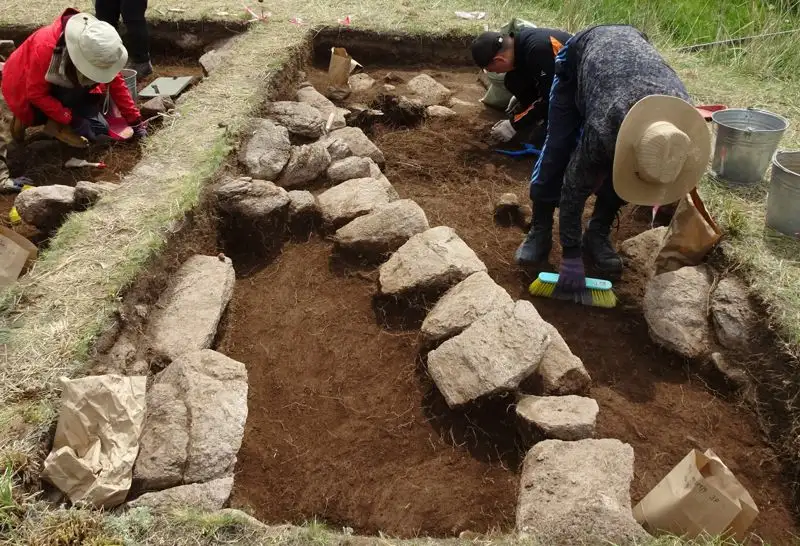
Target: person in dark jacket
[621,126]
[132,13]
[64,75]
[527,59]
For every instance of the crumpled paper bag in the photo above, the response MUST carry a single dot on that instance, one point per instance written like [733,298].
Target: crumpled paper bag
[692,234]
[339,70]
[97,438]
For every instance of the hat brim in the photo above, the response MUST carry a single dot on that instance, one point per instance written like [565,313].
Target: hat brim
[627,183]
[72,36]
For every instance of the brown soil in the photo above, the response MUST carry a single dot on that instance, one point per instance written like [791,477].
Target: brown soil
[344,424]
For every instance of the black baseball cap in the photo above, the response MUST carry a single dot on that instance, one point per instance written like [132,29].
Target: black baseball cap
[485,47]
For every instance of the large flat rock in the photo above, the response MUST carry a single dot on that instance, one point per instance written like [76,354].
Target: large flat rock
[578,493]
[350,168]
[306,164]
[560,417]
[256,201]
[358,143]
[733,314]
[267,151]
[561,372]
[46,207]
[433,260]
[495,354]
[186,316]
[196,411]
[676,310]
[428,90]
[208,496]
[462,305]
[314,98]
[341,204]
[298,117]
[384,229]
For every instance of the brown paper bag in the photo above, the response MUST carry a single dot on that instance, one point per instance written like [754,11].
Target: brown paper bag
[15,252]
[700,495]
[97,438]
[691,235]
[339,70]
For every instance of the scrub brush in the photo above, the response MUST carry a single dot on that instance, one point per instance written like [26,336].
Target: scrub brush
[597,293]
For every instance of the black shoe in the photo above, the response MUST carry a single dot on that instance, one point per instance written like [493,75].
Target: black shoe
[602,254]
[535,249]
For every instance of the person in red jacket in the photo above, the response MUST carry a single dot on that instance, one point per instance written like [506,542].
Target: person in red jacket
[67,73]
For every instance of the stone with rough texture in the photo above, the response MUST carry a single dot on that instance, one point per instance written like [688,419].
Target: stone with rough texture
[302,204]
[733,314]
[361,82]
[578,493]
[456,102]
[298,117]
[341,204]
[350,168]
[46,207]
[494,354]
[199,496]
[268,150]
[157,105]
[462,305]
[437,111]
[560,417]
[187,313]
[89,193]
[428,90]
[561,373]
[338,149]
[507,209]
[312,97]
[359,144]
[253,200]
[305,165]
[384,229]
[676,311]
[642,249]
[196,411]
[734,375]
[434,260]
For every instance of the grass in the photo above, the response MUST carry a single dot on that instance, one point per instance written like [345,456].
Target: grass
[48,323]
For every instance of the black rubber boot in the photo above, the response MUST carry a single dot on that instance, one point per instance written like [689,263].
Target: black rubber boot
[536,247]
[596,240]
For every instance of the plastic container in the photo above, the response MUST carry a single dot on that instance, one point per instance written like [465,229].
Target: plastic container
[129,76]
[783,201]
[746,141]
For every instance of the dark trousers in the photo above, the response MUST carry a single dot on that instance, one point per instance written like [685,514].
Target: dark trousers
[132,13]
[83,104]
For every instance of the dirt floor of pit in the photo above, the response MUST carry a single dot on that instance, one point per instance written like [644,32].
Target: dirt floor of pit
[345,426]
[42,158]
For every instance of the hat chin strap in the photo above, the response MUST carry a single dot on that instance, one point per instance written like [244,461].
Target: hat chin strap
[661,153]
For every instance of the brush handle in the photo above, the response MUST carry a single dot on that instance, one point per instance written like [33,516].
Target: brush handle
[591,284]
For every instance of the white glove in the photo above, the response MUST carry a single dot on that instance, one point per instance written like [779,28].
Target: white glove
[502,131]
[511,105]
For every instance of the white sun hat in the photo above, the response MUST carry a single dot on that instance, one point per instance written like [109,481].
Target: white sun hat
[94,47]
[662,151]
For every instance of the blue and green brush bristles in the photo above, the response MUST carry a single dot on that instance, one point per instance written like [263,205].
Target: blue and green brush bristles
[598,292]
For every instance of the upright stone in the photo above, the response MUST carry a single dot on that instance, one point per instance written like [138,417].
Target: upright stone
[268,150]
[578,493]
[559,417]
[302,205]
[341,204]
[196,411]
[300,118]
[306,164]
[314,98]
[561,373]
[642,249]
[384,229]
[187,313]
[433,260]
[359,144]
[253,200]
[462,305]
[495,354]
[676,310]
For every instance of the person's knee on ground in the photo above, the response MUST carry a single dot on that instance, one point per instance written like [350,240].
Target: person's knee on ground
[539,242]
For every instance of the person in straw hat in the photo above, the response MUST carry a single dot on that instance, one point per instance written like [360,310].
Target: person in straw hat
[64,75]
[620,126]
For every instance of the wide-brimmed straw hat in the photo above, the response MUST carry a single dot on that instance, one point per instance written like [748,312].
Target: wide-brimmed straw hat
[662,151]
[94,47]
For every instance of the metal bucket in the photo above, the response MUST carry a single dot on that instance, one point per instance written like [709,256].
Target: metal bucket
[783,202]
[129,76]
[746,141]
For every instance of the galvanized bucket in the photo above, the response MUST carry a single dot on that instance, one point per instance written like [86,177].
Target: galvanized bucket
[130,80]
[746,141]
[783,202]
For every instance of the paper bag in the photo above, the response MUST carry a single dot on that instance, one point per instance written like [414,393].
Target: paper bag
[15,252]
[97,438]
[700,495]
[691,235]
[339,70]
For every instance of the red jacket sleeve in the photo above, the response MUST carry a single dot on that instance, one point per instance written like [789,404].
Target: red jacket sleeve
[37,87]
[122,98]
